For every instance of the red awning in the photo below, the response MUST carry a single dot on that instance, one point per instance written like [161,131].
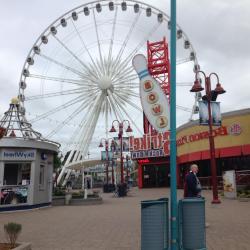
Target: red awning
[195,156]
[231,151]
[246,149]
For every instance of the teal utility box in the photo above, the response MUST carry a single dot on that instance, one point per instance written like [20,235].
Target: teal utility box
[192,225]
[154,224]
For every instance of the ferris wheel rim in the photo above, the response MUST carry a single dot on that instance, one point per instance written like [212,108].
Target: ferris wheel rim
[117,3]
[68,16]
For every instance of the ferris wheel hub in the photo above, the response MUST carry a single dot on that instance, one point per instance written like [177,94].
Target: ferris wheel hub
[105,82]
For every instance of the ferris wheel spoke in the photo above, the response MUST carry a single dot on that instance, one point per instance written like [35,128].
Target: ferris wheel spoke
[85,128]
[98,41]
[64,122]
[57,79]
[75,57]
[127,71]
[183,84]
[112,38]
[54,94]
[58,108]
[78,110]
[113,109]
[86,48]
[90,129]
[183,60]
[137,48]
[130,119]
[184,108]
[129,102]
[62,65]
[125,79]
[125,42]
[115,106]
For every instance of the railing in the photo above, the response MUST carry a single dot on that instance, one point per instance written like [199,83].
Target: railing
[206,182]
[243,178]
[13,194]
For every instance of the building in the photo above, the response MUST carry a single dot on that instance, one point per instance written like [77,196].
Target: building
[26,163]
[232,143]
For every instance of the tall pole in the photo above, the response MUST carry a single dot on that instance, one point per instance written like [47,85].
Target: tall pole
[121,132]
[211,144]
[107,161]
[174,244]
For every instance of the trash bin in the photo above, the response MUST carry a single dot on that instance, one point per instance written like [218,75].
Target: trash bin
[192,225]
[154,224]
[122,189]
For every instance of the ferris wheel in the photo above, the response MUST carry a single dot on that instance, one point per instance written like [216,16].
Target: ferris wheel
[78,76]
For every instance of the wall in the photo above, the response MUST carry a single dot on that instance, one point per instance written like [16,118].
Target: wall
[234,133]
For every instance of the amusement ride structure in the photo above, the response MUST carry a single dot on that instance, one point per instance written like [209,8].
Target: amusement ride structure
[78,76]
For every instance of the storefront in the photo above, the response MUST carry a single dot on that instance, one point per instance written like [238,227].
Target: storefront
[232,146]
[232,143]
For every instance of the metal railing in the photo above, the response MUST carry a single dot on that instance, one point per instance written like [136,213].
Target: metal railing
[14,194]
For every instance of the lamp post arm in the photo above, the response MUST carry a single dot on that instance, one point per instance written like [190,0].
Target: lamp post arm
[214,75]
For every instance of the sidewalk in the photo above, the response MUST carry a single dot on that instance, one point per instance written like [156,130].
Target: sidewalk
[115,225]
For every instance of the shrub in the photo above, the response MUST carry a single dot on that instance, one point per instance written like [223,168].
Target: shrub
[12,231]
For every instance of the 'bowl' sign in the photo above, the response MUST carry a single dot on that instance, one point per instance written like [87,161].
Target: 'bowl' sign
[154,102]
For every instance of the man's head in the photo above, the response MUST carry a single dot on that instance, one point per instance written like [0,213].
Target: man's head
[194,168]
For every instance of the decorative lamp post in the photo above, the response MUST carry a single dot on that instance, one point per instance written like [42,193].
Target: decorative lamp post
[107,155]
[127,159]
[211,95]
[120,134]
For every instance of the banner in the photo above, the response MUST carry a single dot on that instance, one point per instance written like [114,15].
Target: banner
[215,113]
[104,155]
[229,184]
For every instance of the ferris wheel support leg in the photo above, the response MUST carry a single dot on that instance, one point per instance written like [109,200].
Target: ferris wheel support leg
[67,177]
[60,175]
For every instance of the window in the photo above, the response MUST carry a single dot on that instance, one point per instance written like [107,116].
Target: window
[41,177]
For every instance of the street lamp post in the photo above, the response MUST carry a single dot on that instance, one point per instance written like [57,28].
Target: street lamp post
[107,155]
[211,95]
[120,134]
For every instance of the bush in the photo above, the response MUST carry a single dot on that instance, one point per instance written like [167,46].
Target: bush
[58,191]
[12,231]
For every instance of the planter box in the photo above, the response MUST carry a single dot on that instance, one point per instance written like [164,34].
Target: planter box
[60,201]
[21,246]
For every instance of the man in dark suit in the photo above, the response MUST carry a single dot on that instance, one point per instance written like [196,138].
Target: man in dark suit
[192,187]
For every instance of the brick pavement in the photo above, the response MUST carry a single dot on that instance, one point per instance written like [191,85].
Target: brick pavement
[116,224]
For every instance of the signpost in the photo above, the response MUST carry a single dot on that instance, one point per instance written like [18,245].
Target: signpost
[174,243]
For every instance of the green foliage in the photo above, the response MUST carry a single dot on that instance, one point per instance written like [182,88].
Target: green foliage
[57,163]
[12,231]
[58,191]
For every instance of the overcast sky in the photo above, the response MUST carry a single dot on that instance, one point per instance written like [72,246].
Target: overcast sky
[219,31]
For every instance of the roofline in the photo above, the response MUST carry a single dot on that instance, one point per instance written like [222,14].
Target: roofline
[224,115]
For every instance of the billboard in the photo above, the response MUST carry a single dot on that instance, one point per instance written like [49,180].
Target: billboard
[215,113]
[104,155]
[125,144]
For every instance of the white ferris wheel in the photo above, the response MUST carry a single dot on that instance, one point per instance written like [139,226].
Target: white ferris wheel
[78,76]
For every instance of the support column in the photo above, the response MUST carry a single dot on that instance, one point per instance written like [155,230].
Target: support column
[140,176]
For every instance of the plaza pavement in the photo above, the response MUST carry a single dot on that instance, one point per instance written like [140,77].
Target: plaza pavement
[115,225]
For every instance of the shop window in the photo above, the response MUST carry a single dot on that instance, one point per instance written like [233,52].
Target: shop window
[42,177]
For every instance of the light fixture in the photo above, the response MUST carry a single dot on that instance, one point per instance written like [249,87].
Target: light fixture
[112,130]
[197,86]
[219,90]
[129,129]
